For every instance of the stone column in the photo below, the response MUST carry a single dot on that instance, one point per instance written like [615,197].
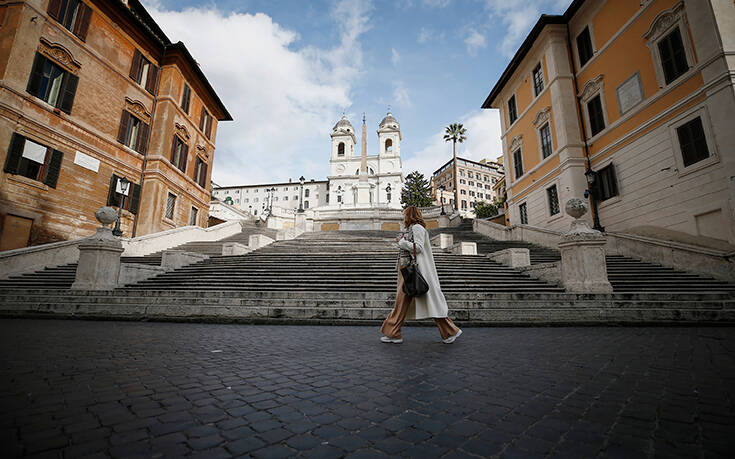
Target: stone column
[583,267]
[99,256]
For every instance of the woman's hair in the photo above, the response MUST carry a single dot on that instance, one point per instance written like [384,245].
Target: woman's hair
[411,215]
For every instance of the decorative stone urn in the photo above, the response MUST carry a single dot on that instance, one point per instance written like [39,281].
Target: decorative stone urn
[99,256]
[583,267]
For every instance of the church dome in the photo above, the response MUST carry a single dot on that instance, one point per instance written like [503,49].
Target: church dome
[389,122]
[343,125]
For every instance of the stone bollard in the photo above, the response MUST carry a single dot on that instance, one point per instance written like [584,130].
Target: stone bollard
[583,267]
[99,256]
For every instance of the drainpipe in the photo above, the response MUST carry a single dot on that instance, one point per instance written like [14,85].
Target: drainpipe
[588,165]
[148,143]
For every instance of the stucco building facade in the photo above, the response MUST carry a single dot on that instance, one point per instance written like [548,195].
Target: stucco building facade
[474,183]
[92,92]
[628,102]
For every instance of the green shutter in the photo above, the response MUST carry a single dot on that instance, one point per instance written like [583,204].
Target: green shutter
[34,82]
[134,198]
[69,90]
[15,152]
[53,169]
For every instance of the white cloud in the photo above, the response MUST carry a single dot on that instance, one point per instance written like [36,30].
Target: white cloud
[282,97]
[395,58]
[474,41]
[483,141]
[401,96]
[519,17]
[424,35]
[437,3]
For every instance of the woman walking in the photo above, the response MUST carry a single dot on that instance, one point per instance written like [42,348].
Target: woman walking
[432,303]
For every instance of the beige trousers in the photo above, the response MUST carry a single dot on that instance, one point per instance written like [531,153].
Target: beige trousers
[393,323]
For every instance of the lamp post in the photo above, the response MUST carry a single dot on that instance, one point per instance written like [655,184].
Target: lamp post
[591,191]
[301,194]
[123,183]
[273,193]
[339,195]
[387,192]
[441,198]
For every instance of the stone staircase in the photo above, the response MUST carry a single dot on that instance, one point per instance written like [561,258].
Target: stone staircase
[349,277]
[215,247]
[627,275]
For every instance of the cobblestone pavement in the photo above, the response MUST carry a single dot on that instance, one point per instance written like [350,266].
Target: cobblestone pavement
[126,389]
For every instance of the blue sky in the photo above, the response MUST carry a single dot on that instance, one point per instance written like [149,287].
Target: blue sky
[287,70]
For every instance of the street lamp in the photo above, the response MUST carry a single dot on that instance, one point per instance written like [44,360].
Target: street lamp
[301,194]
[123,184]
[591,191]
[387,191]
[273,193]
[441,198]
[339,195]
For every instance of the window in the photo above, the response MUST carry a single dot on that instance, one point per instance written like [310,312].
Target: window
[462,191]
[389,146]
[306,204]
[692,142]
[72,14]
[518,162]
[462,181]
[524,214]
[186,98]
[193,216]
[339,198]
[594,111]
[553,196]
[133,133]
[170,204]
[205,123]
[341,149]
[545,133]
[469,174]
[200,173]
[538,79]
[487,196]
[461,173]
[472,193]
[246,200]
[285,198]
[673,56]
[131,195]
[472,204]
[471,183]
[179,153]
[584,46]
[464,204]
[306,193]
[52,84]
[296,198]
[33,160]
[607,183]
[143,72]
[512,111]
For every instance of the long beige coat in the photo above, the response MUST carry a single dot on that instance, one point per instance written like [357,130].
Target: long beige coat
[433,303]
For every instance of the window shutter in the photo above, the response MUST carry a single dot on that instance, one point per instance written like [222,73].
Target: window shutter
[182,160]
[135,67]
[122,132]
[34,82]
[203,176]
[69,89]
[84,14]
[134,198]
[150,85]
[15,152]
[111,194]
[209,127]
[54,9]
[201,119]
[53,169]
[142,144]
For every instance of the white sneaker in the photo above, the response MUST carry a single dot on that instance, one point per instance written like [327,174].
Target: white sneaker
[385,339]
[451,339]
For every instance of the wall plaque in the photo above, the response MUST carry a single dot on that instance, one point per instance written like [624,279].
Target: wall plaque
[87,162]
[630,93]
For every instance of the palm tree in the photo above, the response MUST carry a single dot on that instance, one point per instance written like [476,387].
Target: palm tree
[456,133]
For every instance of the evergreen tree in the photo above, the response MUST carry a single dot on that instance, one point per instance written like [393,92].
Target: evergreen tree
[416,191]
[484,209]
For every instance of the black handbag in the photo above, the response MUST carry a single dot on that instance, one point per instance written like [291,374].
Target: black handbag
[414,283]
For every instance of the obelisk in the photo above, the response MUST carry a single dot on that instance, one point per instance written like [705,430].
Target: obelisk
[362,185]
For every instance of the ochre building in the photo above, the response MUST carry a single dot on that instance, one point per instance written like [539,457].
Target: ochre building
[475,183]
[631,103]
[92,92]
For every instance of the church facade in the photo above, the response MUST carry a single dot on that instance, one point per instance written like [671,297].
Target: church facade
[359,180]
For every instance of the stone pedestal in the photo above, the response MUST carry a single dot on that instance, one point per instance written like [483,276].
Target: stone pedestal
[300,222]
[363,193]
[464,248]
[257,241]
[443,221]
[583,267]
[234,248]
[442,240]
[99,262]
[515,257]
